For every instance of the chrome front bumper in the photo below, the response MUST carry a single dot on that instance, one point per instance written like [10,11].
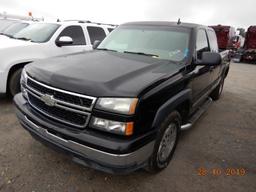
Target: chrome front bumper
[85,155]
[108,158]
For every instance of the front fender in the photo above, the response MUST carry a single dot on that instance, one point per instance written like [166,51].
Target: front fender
[170,105]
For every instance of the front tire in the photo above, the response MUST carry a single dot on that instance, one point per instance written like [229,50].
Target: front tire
[14,83]
[166,142]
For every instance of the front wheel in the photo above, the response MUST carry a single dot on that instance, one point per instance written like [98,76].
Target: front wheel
[14,83]
[166,141]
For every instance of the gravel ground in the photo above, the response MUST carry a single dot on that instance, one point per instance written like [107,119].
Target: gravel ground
[224,138]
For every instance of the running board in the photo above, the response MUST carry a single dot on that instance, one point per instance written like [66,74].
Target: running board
[197,115]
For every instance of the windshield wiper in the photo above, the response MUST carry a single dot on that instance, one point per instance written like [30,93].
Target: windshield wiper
[22,38]
[105,49]
[4,34]
[141,53]
[8,35]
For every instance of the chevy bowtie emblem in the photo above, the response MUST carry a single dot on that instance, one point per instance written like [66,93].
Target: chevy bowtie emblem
[48,100]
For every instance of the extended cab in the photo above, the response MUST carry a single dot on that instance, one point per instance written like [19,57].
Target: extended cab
[43,40]
[121,107]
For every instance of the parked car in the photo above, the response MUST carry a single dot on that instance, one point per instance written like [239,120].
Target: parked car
[13,28]
[225,35]
[248,52]
[4,23]
[43,40]
[121,107]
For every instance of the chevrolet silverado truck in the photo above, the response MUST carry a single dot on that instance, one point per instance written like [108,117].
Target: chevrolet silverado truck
[44,40]
[122,106]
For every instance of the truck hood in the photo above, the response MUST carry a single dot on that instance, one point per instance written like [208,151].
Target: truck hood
[102,73]
[6,42]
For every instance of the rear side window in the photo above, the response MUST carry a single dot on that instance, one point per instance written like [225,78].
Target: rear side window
[213,41]
[96,33]
[201,43]
[76,33]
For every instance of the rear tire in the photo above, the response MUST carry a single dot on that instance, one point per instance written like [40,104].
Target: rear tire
[14,83]
[216,93]
[166,142]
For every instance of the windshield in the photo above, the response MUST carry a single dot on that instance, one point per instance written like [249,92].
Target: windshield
[168,43]
[39,32]
[14,28]
[4,24]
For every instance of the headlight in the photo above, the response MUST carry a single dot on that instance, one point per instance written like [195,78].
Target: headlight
[116,127]
[118,105]
[23,82]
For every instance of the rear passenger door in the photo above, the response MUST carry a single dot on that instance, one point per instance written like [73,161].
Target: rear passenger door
[79,42]
[96,33]
[214,70]
[201,74]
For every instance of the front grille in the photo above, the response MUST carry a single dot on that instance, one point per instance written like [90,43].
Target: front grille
[63,106]
[54,112]
[76,100]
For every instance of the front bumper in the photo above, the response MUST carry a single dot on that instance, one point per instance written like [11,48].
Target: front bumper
[120,163]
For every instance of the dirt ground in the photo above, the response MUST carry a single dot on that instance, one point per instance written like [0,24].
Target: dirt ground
[223,139]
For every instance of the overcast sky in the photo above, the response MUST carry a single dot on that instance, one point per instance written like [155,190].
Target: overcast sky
[240,13]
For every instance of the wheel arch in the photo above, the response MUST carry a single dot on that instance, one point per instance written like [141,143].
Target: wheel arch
[14,68]
[180,102]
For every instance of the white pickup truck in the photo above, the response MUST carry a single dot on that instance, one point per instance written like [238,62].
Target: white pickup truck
[44,40]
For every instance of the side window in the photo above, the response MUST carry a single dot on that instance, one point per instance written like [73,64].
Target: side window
[76,33]
[213,41]
[96,33]
[201,43]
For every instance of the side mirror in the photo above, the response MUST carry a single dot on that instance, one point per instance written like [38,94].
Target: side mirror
[96,44]
[210,58]
[64,40]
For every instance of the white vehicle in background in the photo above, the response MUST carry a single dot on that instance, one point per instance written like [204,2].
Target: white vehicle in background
[44,40]
[12,27]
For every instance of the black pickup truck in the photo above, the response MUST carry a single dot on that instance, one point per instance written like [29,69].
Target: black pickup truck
[122,106]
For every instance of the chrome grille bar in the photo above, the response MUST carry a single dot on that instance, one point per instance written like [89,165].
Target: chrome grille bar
[61,105]
[65,92]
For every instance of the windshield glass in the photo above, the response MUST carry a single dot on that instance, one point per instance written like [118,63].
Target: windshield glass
[39,32]
[167,43]
[14,28]
[4,24]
